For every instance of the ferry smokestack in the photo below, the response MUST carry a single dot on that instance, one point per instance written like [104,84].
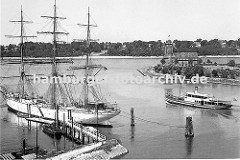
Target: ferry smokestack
[196,89]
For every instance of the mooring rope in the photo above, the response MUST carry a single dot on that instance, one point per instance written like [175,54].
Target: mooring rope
[153,122]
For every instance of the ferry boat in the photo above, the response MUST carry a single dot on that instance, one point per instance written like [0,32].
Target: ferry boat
[198,100]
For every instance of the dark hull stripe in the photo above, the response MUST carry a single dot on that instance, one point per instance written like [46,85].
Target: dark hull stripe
[192,104]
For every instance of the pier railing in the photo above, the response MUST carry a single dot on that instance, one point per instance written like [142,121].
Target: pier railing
[89,131]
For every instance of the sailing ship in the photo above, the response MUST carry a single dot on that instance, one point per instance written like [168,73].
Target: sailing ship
[198,100]
[55,109]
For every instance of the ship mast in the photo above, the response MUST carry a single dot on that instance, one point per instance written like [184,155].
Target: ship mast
[54,64]
[87,60]
[21,51]
[21,36]
[87,65]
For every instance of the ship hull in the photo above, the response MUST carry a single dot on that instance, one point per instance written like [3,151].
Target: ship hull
[180,101]
[79,115]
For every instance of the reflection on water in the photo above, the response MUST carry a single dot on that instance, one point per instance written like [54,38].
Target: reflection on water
[132,134]
[189,146]
[188,111]
[148,140]
[227,113]
[15,129]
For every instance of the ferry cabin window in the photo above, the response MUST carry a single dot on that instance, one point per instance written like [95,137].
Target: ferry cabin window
[196,96]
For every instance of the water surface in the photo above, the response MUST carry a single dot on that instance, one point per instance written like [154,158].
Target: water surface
[159,129]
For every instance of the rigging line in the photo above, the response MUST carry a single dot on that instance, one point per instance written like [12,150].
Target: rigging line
[70,91]
[60,11]
[61,27]
[15,16]
[26,17]
[48,23]
[98,91]
[92,20]
[63,95]
[94,95]
[95,91]
[153,121]
[71,99]
[75,93]
[29,30]
[30,86]
[5,74]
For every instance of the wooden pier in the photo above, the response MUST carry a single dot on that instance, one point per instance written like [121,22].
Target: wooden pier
[78,132]
[97,145]
[108,149]
[7,156]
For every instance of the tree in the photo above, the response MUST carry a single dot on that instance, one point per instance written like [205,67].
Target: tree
[2,48]
[199,40]
[176,61]
[214,73]
[209,62]
[203,42]
[200,61]
[231,63]
[163,61]
[190,62]
[215,43]
[165,70]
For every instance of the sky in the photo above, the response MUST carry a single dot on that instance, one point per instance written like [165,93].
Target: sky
[126,20]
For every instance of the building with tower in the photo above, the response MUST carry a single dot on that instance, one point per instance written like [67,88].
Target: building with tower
[178,58]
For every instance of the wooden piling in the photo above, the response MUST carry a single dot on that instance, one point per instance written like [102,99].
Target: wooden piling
[72,130]
[64,131]
[36,140]
[63,126]
[189,127]
[29,115]
[88,139]
[79,138]
[83,138]
[24,146]
[81,132]
[132,117]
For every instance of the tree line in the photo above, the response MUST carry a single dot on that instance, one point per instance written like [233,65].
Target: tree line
[192,70]
[135,48]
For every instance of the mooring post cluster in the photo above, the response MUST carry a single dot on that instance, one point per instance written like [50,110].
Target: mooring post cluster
[132,117]
[189,127]
[75,135]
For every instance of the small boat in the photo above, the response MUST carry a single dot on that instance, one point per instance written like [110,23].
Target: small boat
[198,100]
[52,130]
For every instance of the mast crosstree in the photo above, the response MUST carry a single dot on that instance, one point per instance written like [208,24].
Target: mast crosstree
[87,65]
[54,64]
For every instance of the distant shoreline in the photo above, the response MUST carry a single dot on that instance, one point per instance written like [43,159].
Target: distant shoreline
[122,57]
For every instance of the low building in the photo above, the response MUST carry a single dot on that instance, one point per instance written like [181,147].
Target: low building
[178,58]
[184,58]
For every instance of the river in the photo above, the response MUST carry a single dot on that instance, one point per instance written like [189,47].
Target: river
[159,129]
